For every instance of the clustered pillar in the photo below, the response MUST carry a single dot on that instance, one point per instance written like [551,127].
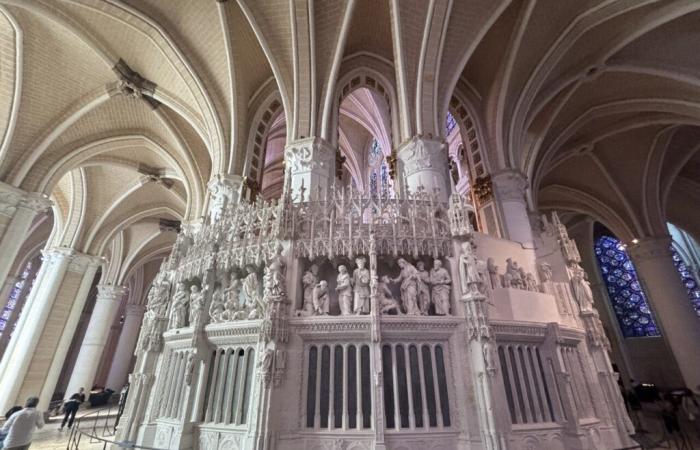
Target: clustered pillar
[678,321]
[121,363]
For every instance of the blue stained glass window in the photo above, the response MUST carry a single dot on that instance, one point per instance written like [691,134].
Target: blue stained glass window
[373,183]
[450,123]
[689,281]
[375,153]
[626,294]
[14,296]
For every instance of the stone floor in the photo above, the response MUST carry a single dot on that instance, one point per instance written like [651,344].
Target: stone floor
[50,438]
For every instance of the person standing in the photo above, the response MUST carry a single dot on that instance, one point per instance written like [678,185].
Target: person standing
[20,426]
[71,408]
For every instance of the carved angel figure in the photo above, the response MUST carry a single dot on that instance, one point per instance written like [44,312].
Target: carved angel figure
[423,282]
[468,269]
[196,304]
[321,302]
[408,277]
[387,302]
[178,312]
[344,290]
[581,287]
[309,280]
[360,282]
[441,281]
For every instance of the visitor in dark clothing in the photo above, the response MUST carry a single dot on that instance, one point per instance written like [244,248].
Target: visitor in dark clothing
[71,408]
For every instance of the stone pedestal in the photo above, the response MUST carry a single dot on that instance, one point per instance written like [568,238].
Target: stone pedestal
[106,306]
[674,313]
[425,166]
[33,360]
[510,187]
[119,369]
[312,165]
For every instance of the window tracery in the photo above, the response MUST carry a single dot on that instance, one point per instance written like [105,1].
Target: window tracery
[689,282]
[14,297]
[626,294]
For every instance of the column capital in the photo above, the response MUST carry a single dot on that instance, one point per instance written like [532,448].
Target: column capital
[510,185]
[419,153]
[110,292]
[12,198]
[79,262]
[650,248]
[309,154]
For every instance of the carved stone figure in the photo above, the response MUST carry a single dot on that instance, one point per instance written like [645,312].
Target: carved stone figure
[408,277]
[196,304]
[423,281]
[273,281]
[494,278]
[512,278]
[320,299]
[344,290]
[217,306]
[440,280]
[468,269]
[386,300]
[531,282]
[178,312]
[251,293]
[545,272]
[581,287]
[360,282]
[309,280]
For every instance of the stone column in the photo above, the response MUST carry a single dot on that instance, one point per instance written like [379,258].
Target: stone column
[674,313]
[509,187]
[34,357]
[119,369]
[109,298]
[425,166]
[312,165]
[17,211]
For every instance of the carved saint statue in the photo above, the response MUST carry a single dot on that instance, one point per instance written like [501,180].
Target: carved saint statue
[178,311]
[386,300]
[423,281]
[360,281]
[309,280]
[468,269]
[545,272]
[581,287]
[251,293]
[531,282]
[321,302]
[196,304]
[408,277]
[492,268]
[441,281]
[217,306]
[512,278]
[344,290]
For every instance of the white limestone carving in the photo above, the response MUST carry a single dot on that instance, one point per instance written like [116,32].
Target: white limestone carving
[251,293]
[196,304]
[468,274]
[441,283]
[387,302]
[581,287]
[320,299]
[310,281]
[344,289]
[360,283]
[423,283]
[408,279]
[180,307]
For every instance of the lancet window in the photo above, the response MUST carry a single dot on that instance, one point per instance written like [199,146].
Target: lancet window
[689,281]
[626,294]
[14,297]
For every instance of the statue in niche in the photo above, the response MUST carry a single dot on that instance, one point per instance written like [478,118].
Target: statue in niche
[423,281]
[387,302]
[408,277]
[273,281]
[440,280]
[251,293]
[512,277]
[492,268]
[489,358]
[468,269]
[178,312]
[196,304]
[320,299]
[545,272]
[531,282]
[217,306]
[360,282]
[581,287]
[344,290]
[309,280]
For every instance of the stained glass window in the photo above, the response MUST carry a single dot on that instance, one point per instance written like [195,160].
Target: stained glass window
[379,180]
[691,285]
[626,294]
[450,123]
[14,297]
